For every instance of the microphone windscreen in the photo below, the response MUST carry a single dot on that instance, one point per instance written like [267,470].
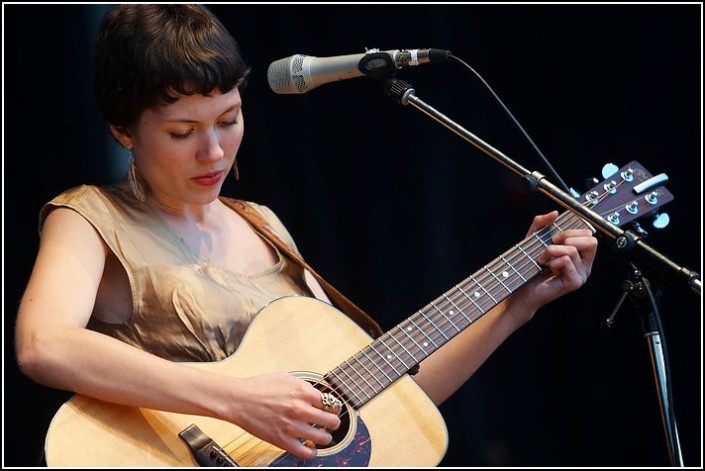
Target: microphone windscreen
[281,75]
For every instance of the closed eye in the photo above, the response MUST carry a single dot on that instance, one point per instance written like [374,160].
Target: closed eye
[232,122]
[181,135]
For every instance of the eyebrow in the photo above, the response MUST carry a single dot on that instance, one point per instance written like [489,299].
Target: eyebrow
[193,121]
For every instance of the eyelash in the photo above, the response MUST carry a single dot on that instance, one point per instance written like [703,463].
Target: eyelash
[180,136]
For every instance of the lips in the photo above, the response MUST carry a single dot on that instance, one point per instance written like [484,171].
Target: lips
[208,179]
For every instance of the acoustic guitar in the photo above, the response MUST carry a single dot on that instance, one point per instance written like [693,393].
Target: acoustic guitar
[387,419]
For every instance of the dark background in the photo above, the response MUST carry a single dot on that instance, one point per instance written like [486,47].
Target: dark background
[393,209]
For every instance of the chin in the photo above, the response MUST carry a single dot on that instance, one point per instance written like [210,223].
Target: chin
[205,196]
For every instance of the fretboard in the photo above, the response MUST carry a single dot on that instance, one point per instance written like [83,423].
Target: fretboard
[367,373]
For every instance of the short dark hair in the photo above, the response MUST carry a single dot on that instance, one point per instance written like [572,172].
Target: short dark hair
[146,55]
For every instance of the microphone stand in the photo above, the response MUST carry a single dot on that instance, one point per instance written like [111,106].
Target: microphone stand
[627,243]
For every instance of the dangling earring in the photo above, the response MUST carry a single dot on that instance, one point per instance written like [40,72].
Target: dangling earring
[236,171]
[133,178]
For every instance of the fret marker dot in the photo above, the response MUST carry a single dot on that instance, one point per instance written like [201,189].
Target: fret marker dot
[476,294]
[450,313]
[409,328]
[425,344]
[389,357]
[505,274]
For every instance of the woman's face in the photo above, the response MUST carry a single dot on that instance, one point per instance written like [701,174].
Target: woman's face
[185,150]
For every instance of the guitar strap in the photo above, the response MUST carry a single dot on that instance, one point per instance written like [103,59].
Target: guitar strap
[260,225]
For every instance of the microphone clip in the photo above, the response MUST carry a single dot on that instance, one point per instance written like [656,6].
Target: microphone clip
[378,65]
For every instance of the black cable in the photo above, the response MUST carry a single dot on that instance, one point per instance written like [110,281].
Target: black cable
[521,128]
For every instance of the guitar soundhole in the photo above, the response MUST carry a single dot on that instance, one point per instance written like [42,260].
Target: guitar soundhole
[351,445]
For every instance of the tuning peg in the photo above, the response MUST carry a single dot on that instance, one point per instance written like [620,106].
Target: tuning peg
[643,233]
[608,170]
[661,220]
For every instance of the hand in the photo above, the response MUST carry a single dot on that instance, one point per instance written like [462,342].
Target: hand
[567,264]
[280,409]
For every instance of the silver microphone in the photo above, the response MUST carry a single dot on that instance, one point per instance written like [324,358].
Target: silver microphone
[300,73]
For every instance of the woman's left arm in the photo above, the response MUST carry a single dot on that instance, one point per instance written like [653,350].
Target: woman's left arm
[567,264]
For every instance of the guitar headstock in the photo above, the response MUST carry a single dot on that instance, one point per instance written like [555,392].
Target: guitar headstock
[628,194]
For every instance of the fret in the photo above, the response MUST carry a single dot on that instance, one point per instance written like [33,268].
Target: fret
[461,310]
[353,379]
[462,291]
[483,289]
[433,324]
[392,353]
[347,389]
[372,346]
[538,267]
[410,329]
[555,224]
[497,278]
[536,235]
[367,371]
[457,308]
[445,316]
[435,346]
[378,367]
[403,347]
[521,271]
[513,268]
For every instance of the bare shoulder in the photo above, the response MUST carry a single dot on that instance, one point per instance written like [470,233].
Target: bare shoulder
[67,232]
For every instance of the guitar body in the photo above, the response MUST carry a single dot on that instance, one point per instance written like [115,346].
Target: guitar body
[399,427]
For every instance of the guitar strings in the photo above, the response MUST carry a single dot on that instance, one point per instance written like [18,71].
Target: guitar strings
[518,260]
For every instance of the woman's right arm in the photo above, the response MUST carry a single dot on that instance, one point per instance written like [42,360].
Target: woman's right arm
[55,349]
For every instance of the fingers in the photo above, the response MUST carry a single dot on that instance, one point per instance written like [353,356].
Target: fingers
[326,408]
[582,240]
[300,437]
[569,258]
[313,434]
[579,244]
[330,407]
[542,220]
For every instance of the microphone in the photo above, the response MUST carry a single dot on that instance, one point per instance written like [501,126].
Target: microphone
[300,73]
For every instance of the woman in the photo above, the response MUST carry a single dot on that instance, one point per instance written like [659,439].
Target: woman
[133,280]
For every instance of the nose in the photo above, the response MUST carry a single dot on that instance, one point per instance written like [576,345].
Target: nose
[209,146]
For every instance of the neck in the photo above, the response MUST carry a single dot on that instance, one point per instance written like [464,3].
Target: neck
[181,212]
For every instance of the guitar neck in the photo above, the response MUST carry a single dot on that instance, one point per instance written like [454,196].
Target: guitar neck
[367,373]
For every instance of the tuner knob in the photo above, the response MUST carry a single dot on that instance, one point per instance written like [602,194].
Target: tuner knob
[661,220]
[640,230]
[608,170]
[652,198]
[633,207]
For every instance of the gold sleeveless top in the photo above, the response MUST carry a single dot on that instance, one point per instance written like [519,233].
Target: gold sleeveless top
[182,309]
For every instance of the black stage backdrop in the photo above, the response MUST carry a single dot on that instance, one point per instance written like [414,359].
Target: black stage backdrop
[394,209]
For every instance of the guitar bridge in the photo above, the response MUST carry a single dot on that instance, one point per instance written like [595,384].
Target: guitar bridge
[206,451]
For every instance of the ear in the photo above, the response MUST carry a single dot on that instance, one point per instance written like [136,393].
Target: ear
[122,135]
